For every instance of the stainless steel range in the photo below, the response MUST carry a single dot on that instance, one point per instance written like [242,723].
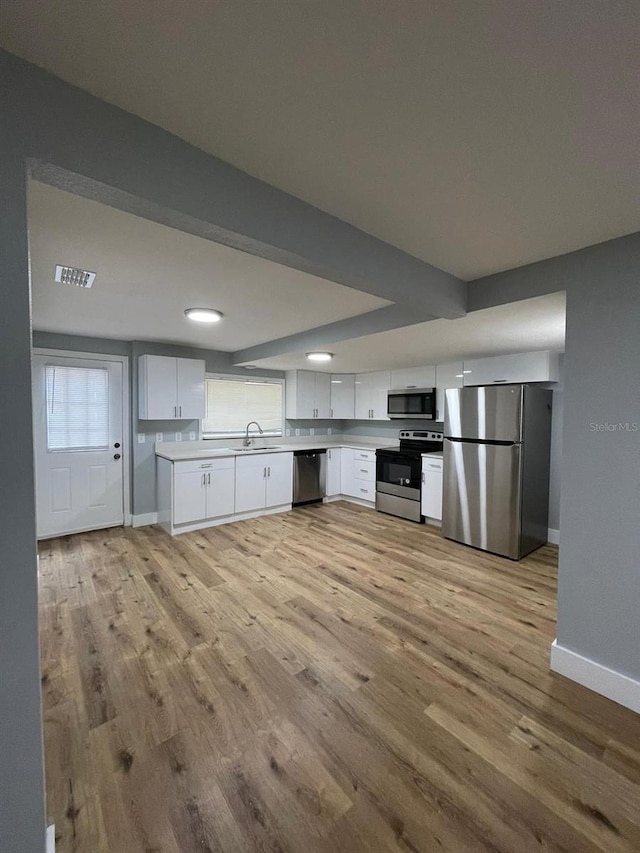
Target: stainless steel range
[399,473]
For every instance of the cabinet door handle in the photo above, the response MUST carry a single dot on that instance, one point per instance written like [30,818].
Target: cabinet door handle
[269,471]
[363,470]
[204,477]
[499,380]
[208,479]
[329,454]
[175,411]
[364,490]
[180,411]
[423,476]
[264,473]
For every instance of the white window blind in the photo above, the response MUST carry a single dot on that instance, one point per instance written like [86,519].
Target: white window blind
[77,408]
[232,403]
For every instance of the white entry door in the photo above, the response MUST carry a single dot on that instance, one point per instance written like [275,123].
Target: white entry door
[78,431]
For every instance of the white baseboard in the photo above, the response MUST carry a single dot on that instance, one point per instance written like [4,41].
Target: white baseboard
[144,519]
[596,676]
[553,536]
[51,839]
[175,530]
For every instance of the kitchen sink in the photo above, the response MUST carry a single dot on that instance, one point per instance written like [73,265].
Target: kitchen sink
[254,449]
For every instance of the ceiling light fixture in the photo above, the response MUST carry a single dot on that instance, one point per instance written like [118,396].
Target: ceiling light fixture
[319,356]
[204,315]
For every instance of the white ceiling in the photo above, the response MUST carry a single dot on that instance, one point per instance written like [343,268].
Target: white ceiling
[478,136]
[526,326]
[147,274]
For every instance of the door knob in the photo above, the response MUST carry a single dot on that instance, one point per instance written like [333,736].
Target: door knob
[116,456]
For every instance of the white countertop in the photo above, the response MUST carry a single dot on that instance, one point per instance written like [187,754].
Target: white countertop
[437,454]
[178,451]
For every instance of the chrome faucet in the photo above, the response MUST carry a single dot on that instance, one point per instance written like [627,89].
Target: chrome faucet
[246,441]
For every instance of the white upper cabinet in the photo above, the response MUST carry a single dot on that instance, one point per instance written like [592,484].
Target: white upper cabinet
[522,367]
[308,395]
[190,375]
[323,395]
[371,395]
[343,396]
[413,377]
[448,375]
[170,388]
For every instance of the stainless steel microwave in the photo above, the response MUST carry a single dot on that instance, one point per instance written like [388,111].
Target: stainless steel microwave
[415,403]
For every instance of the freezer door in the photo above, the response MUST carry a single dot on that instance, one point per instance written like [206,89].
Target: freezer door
[485,412]
[481,496]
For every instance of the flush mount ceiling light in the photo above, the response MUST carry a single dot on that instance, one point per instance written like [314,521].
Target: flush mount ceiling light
[203,315]
[319,356]
[73,275]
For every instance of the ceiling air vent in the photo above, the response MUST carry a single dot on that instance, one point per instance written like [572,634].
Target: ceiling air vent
[72,275]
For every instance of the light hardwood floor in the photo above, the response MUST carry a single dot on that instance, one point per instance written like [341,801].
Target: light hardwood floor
[330,679]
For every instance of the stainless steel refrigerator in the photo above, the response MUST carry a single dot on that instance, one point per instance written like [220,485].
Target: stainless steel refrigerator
[496,467]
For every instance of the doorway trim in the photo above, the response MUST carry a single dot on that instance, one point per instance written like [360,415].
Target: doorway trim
[126,412]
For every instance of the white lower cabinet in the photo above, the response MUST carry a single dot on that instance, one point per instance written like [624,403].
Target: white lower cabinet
[431,493]
[194,494]
[334,472]
[346,471]
[203,490]
[358,471]
[263,480]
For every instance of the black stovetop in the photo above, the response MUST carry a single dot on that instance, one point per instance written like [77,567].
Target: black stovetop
[416,442]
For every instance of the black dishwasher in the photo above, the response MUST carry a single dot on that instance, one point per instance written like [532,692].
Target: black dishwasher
[309,476]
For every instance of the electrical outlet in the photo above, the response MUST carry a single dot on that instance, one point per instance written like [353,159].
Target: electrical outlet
[312,431]
[297,430]
[140,438]
[178,436]
[159,436]
[329,431]
[287,432]
[192,436]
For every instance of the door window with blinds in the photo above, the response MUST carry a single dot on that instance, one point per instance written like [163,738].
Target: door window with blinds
[232,402]
[77,406]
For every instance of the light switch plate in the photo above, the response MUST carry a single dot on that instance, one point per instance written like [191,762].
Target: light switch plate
[159,436]
[178,436]
[192,436]
[140,438]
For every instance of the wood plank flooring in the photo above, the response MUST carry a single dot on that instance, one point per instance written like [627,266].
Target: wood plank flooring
[330,679]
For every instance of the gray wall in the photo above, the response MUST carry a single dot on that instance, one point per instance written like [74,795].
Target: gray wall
[22,811]
[599,595]
[599,578]
[557,419]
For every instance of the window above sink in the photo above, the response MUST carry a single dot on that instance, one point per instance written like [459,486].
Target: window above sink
[232,401]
